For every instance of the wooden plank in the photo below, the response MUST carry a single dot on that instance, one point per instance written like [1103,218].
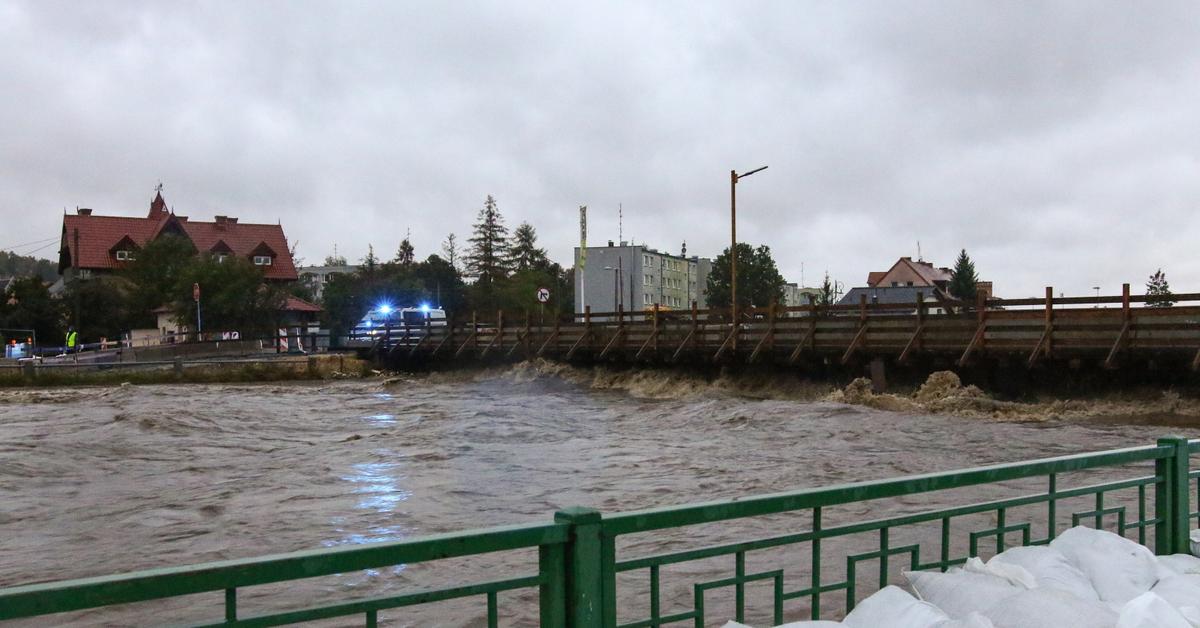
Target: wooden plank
[552,339]
[678,351]
[1044,341]
[1111,361]
[421,341]
[976,341]
[854,344]
[914,344]
[651,339]
[728,339]
[444,340]
[1196,362]
[809,338]
[617,336]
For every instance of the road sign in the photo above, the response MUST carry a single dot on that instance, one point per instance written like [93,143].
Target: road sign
[543,295]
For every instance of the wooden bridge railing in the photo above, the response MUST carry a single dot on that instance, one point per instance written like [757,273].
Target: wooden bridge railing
[1033,329]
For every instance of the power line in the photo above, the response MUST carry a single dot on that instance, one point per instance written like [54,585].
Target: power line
[17,246]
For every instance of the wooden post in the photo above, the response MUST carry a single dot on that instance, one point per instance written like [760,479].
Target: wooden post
[981,315]
[1125,314]
[528,331]
[1049,319]
[695,321]
[474,329]
[862,308]
[499,340]
[654,329]
[587,325]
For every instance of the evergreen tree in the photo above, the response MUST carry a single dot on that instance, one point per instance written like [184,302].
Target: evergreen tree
[963,280]
[488,257]
[1158,291]
[404,255]
[370,263]
[828,292]
[524,253]
[450,248]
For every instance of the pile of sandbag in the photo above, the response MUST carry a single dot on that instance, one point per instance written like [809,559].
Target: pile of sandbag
[1085,578]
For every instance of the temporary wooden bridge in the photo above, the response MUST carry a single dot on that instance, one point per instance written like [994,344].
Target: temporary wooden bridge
[1111,331]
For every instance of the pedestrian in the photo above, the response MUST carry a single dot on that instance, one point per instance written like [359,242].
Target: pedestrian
[72,337]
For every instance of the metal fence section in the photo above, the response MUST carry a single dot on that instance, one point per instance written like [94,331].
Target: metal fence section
[1144,494]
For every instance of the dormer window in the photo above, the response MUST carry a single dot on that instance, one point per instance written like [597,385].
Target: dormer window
[220,257]
[262,260]
[126,255]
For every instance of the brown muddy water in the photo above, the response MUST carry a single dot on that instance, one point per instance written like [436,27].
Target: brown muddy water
[103,480]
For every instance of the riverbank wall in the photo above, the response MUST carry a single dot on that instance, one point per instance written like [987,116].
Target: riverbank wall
[179,370]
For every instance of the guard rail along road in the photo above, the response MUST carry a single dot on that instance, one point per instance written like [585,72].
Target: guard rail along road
[593,569]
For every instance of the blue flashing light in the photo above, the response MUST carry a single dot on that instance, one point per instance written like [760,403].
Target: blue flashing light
[384,308]
[424,307]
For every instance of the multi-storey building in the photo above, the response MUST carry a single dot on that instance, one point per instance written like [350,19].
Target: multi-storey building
[634,277]
[315,277]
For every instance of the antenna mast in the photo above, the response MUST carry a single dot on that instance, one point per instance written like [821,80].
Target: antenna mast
[620,223]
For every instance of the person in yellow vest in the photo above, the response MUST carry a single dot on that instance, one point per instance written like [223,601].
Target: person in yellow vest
[71,339]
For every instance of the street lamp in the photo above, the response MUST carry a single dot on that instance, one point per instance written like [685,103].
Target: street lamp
[733,180]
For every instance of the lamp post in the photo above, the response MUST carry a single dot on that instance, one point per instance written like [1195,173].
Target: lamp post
[733,180]
[616,284]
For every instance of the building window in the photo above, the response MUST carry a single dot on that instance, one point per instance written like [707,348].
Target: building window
[126,256]
[221,257]
[909,284]
[646,298]
[330,276]
[262,260]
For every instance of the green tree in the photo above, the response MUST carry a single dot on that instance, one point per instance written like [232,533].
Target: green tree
[759,281]
[234,296]
[450,251]
[488,256]
[827,295]
[335,260]
[1158,291]
[154,276]
[963,280]
[106,307]
[13,265]
[524,254]
[370,263]
[28,305]
[405,254]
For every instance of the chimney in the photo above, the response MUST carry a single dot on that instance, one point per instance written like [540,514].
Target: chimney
[83,211]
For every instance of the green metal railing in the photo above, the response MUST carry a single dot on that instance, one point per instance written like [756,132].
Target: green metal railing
[577,566]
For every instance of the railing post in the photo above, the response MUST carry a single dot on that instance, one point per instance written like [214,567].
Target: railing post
[1171,498]
[584,583]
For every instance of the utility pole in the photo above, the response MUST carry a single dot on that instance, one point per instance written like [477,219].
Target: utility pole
[733,181]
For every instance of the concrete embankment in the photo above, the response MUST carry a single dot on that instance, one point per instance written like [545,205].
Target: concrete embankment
[266,369]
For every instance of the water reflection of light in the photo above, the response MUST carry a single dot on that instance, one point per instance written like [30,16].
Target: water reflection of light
[381,419]
[383,395]
[375,482]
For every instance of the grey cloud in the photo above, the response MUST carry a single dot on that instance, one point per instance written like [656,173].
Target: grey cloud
[1055,141]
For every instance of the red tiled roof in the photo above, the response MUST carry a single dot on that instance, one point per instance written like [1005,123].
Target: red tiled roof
[296,304]
[874,276]
[99,234]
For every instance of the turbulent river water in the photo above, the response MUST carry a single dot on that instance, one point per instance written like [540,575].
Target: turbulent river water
[102,480]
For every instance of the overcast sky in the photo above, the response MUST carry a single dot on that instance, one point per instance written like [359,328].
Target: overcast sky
[1059,143]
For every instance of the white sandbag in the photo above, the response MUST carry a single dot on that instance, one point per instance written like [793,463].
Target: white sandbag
[1179,590]
[1118,568]
[1194,537]
[974,620]
[1014,574]
[1050,568]
[1150,611]
[820,623]
[1177,563]
[893,607]
[958,592]
[1049,608]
